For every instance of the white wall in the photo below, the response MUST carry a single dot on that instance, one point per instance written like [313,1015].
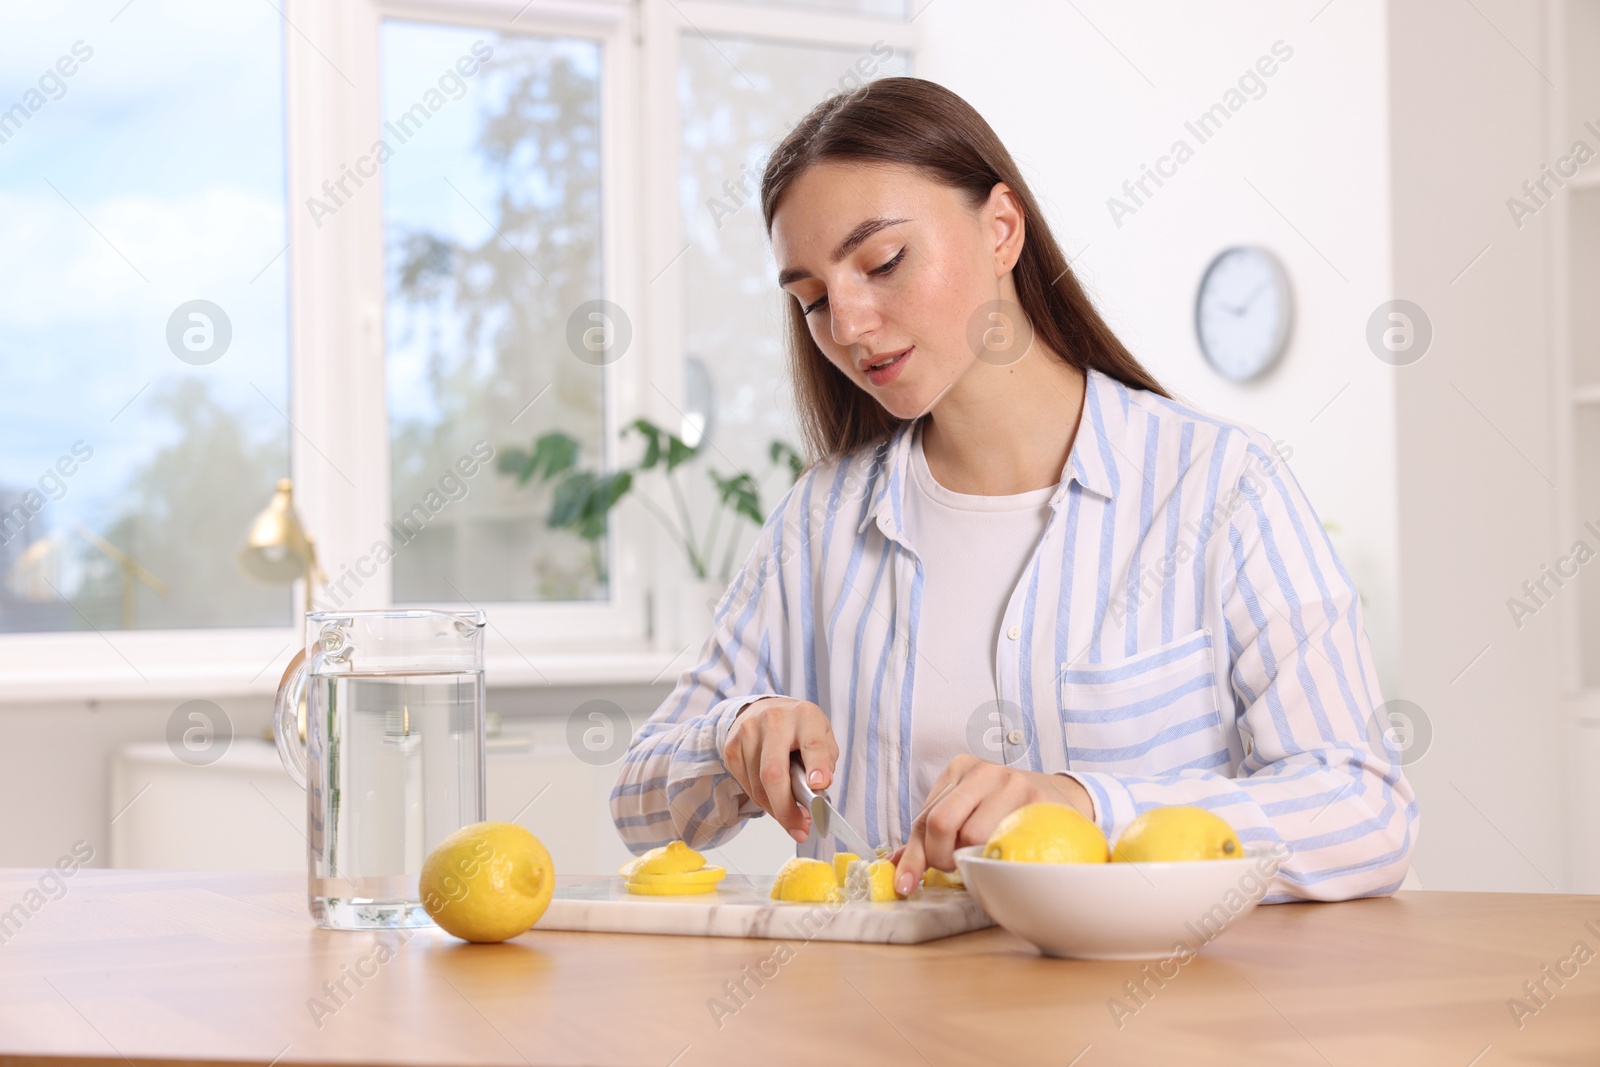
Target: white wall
[1440,519]
[1478,445]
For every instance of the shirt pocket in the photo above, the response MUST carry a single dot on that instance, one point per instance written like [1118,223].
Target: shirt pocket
[1154,712]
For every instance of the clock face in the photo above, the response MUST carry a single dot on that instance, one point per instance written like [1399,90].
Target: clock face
[1242,312]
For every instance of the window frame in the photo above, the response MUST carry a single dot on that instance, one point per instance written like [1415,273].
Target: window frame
[339,431]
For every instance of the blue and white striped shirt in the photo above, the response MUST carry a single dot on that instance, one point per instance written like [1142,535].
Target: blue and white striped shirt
[1183,633]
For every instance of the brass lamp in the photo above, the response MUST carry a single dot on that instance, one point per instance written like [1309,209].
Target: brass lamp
[278,550]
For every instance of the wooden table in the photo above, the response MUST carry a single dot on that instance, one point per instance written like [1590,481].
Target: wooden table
[140,966]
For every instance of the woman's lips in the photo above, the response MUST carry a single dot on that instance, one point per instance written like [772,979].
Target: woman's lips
[888,374]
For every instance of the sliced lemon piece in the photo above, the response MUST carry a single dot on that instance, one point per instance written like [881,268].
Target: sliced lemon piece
[674,857]
[807,881]
[871,882]
[704,874]
[841,864]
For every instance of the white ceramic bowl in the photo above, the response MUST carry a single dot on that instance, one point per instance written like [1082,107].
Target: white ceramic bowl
[1117,911]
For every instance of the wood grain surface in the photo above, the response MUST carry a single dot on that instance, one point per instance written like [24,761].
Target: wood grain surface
[168,967]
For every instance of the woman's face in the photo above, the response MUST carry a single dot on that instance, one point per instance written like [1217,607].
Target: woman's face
[887,264]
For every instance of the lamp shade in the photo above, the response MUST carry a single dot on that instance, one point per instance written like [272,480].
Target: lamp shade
[277,550]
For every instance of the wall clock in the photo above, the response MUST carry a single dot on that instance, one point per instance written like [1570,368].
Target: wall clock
[1242,312]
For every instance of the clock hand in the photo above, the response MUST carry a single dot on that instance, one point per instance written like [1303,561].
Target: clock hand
[1251,299]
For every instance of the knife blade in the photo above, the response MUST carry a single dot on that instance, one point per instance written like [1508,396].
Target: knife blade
[825,818]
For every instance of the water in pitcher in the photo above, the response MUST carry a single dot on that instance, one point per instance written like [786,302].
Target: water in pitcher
[393,767]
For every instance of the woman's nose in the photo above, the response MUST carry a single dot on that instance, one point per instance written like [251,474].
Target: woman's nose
[852,318]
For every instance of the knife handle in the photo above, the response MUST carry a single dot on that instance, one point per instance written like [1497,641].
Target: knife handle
[803,793]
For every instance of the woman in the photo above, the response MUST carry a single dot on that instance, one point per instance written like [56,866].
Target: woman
[1017,569]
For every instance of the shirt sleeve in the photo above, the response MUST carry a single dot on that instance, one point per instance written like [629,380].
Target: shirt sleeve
[673,783]
[1321,784]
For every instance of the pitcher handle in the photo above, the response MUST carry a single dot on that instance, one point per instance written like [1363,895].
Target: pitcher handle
[286,719]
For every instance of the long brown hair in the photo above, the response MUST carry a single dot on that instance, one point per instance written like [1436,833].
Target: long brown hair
[921,124]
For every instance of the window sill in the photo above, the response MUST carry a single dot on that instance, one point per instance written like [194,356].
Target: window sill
[221,678]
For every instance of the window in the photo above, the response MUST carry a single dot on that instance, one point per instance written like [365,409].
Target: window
[737,99]
[358,252]
[143,315]
[492,223]
[883,8]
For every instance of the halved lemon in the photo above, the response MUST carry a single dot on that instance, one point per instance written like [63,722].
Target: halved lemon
[807,880]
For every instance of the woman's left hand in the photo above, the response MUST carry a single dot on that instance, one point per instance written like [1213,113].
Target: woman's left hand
[966,803]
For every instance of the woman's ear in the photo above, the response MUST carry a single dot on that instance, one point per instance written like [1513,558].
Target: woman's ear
[1006,226]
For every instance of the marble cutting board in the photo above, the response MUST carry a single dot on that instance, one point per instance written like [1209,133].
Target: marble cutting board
[741,907]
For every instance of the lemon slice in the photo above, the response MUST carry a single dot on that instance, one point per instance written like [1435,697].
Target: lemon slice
[841,864]
[704,874]
[671,888]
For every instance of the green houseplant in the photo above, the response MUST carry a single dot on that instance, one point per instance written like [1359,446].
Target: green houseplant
[582,498]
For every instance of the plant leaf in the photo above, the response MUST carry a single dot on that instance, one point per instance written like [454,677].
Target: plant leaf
[741,494]
[779,451]
[554,453]
[652,448]
[677,451]
[513,461]
[610,488]
[570,504]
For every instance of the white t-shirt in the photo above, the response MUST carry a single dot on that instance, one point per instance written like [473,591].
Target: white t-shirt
[973,549]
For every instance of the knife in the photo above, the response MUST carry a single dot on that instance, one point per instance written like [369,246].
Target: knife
[825,818]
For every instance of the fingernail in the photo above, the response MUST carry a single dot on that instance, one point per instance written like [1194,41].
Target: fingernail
[903,884]
[815,778]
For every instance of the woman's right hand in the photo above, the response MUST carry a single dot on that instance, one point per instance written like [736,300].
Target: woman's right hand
[757,755]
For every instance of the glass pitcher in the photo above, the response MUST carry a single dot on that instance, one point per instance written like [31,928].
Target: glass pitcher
[391,754]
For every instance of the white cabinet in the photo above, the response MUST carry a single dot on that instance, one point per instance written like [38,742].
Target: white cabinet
[243,813]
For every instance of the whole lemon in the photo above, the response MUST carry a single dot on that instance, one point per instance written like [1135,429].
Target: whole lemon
[487,882]
[1047,832]
[1180,832]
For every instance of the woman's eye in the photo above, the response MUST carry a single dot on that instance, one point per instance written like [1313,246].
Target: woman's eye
[892,264]
[806,309]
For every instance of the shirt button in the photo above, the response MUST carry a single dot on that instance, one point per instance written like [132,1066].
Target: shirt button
[1014,737]
[1014,633]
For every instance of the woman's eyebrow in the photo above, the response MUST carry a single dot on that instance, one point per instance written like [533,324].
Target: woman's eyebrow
[862,231]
